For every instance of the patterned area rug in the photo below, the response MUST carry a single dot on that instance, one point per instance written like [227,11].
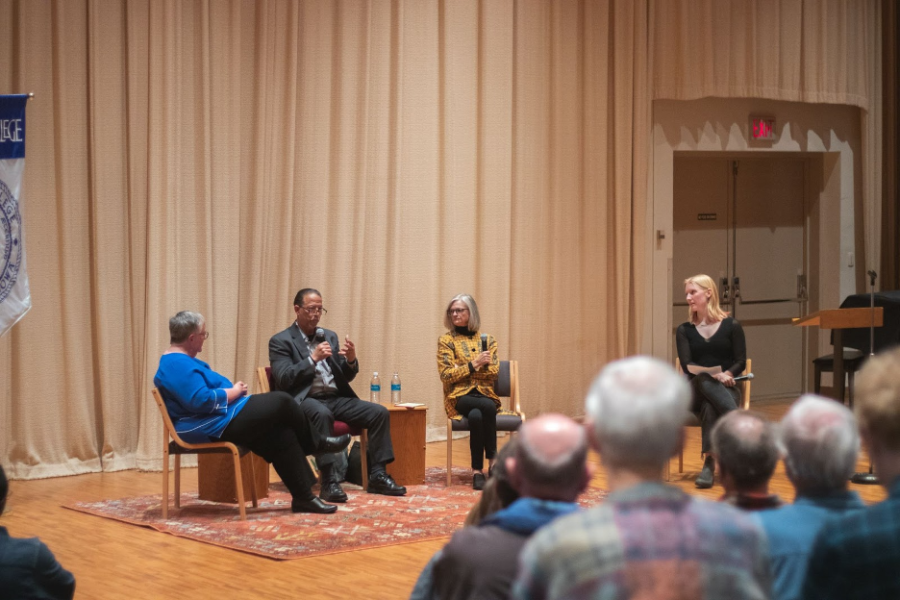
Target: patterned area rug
[427,512]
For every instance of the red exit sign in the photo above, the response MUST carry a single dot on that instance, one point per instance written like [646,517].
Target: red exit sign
[762,128]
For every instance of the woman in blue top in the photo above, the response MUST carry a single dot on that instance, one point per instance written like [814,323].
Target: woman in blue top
[710,339]
[205,406]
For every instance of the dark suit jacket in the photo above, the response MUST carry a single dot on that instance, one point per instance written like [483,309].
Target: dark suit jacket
[292,371]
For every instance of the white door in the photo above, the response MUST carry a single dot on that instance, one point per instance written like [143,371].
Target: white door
[741,220]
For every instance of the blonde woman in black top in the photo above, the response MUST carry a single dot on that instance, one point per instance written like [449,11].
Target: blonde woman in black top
[710,339]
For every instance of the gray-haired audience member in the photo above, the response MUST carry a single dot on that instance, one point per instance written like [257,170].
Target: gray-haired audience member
[819,442]
[648,539]
[549,470]
[743,443]
[857,555]
[27,567]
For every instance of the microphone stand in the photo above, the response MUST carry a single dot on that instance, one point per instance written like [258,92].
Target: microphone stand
[869,478]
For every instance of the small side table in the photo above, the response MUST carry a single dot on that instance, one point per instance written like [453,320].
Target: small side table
[408,439]
[215,477]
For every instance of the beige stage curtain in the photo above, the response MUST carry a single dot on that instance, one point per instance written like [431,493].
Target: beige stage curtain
[218,156]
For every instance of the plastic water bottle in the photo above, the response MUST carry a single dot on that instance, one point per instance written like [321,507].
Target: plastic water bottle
[375,389]
[395,389]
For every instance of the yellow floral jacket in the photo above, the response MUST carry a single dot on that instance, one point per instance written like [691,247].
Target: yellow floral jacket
[455,350]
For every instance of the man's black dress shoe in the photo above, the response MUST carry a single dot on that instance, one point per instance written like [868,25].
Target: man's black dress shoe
[478,481]
[312,506]
[331,492]
[334,444]
[382,483]
[707,475]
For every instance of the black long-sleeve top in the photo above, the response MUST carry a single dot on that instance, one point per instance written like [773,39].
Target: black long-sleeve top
[727,347]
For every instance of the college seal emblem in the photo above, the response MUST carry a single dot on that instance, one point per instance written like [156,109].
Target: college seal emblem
[10,241]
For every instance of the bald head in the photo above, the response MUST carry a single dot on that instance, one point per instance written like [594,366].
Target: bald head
[744,445]
[550,461]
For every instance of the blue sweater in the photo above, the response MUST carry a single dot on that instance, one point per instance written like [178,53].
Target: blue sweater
[792,530]
[195,397]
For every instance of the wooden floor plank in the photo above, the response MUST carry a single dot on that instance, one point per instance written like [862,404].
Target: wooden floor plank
[115,561]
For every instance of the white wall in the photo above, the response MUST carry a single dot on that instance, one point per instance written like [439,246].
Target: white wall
[722,125]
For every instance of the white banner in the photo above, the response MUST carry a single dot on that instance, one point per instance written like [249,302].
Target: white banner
[15,297]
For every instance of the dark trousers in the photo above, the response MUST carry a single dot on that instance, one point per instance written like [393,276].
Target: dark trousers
[273,426]
[711,400]
[482,415]
[322,413]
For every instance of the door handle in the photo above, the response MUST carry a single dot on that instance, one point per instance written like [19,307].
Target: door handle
[725,290]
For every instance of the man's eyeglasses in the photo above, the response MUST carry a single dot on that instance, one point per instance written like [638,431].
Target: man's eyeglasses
[314,310]
[457,311]
[205,335]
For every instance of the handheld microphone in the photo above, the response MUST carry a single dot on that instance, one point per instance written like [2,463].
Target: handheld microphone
[320,334]
[743,377]
[484,342]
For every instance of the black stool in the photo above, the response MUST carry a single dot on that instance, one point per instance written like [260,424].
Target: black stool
[853,360]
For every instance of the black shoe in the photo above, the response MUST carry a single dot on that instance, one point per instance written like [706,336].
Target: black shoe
[382,483]
[478,481]
[334,444]
[707,475]
[312,506]
[331,492]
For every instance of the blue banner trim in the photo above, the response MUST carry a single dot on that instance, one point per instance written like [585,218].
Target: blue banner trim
[12,125]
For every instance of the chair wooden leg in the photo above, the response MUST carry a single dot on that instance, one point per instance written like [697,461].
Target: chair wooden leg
[165,495]
[177,481]
[239,484]
[449,450]
[681,461]
[850,379]
[313,466]
[364,457]
[253,495]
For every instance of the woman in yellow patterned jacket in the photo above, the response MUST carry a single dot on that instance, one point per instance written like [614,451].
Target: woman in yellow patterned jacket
[468,373]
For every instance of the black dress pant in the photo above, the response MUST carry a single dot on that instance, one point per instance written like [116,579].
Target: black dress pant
[273,426]
[711,400]
[481,412]
[322,412]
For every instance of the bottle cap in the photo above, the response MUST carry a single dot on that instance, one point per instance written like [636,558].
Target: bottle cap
[375,374]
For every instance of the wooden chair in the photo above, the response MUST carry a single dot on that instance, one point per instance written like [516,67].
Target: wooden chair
[693,421]
[177,447]
[507,385]
[264,375]
[853,361]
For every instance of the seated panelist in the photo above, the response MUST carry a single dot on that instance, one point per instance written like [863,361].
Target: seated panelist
[308,364]
[710,339]
[206,407]
[468,373]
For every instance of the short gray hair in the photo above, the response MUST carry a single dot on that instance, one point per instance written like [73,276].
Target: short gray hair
[819,440]
[638,406]
[474,317]
[748,454]
[182,325]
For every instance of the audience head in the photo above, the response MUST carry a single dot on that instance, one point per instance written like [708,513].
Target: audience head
[744,446]
[4,489]
[707,284]
[550,462]
[878,400]
[187,328]
[637,408]
[498,492]
[819,441]
[469,302]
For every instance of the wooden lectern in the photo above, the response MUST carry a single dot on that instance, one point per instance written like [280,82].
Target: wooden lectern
[838,319]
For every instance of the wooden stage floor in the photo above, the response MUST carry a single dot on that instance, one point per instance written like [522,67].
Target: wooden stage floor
[114,560]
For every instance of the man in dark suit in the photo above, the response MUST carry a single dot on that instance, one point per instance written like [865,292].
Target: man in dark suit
[308,363]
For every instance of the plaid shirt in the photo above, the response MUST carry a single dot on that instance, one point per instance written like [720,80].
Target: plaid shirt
[650,541]
[858,555]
